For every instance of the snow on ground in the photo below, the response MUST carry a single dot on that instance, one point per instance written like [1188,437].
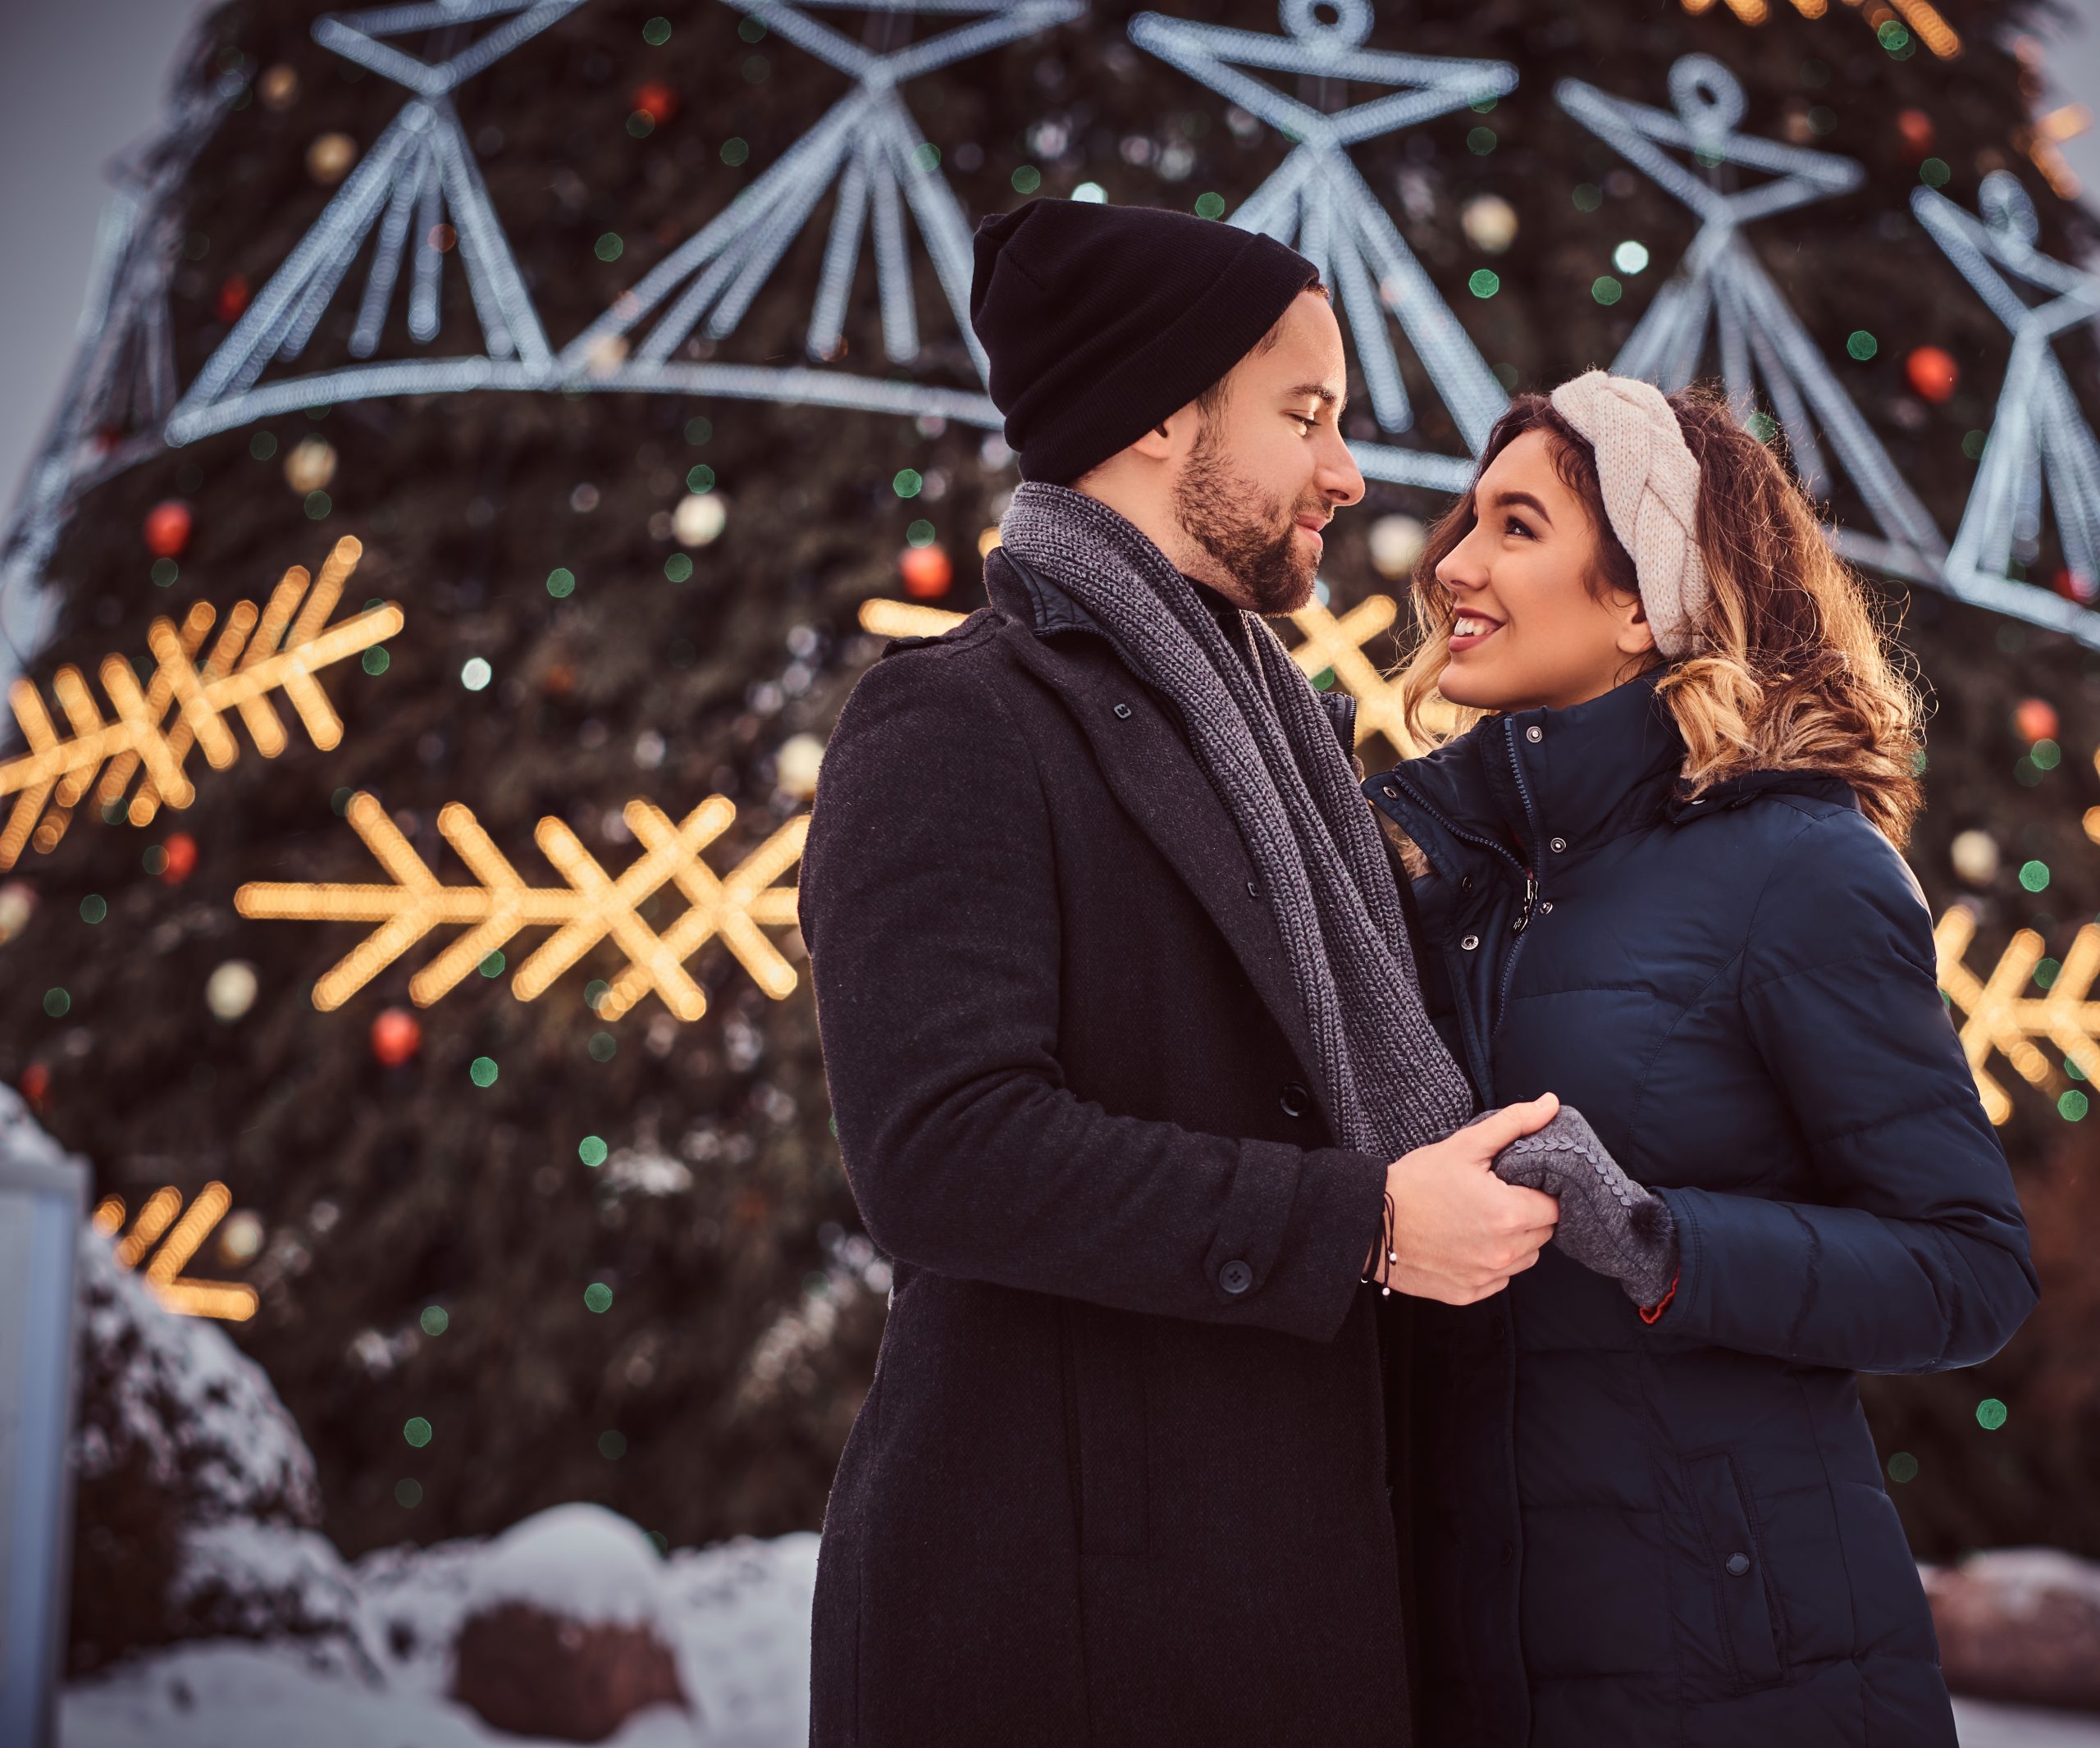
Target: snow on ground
[738,1613]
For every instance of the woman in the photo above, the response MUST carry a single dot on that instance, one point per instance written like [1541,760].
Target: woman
[1659,875]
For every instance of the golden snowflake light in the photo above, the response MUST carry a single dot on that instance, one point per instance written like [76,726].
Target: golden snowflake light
[230,1300]
[1995,1013]
[593,906]
[278,648]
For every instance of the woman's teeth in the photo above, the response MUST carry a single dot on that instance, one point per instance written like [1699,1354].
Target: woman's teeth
[1466,625]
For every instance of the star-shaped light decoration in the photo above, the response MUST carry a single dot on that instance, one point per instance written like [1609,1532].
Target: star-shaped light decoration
[1722,284]
[2038,436]
[868,146]
[593,906]
[1318,201]
[1998,1013]
[277,649]
[419,180]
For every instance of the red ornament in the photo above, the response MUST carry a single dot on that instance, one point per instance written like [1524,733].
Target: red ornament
[1933,372]
[2075,585]
[396,1036]
[233,297]
[1917,132]
[2035,719]
[36,1084]
[927,572]
[181,863]
[167,528]
[657,101]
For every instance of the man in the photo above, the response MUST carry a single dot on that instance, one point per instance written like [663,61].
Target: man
[1127,1053]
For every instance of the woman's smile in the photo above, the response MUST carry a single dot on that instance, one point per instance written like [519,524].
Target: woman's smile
[1469,629]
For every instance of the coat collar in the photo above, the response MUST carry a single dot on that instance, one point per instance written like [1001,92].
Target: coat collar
[1581,776]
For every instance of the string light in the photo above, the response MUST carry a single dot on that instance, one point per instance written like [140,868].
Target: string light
[1318,201]
[1923,18]
[2037,429]
[594,907]
[279,648]
[230,1300]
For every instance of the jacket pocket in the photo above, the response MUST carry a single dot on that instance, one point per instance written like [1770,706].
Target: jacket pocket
[1743,1592]
[1105,1425]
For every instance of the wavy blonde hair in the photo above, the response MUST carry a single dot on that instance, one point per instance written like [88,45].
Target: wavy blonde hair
[1793,668]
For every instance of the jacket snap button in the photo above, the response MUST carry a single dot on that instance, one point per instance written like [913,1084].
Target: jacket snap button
[1494,1330]
[1535,734]
[1295,1099]
[1545,907]
[1470,943]
[1252,890]
[1465,882]
[1391,793]
[1738,1564]
[1557,845]
[1507,1553]
[1122,710]
[1235,1276]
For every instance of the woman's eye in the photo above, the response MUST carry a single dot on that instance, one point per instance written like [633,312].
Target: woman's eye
[1517,527]
[1306,421]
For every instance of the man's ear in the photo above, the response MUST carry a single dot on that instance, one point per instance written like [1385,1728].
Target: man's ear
[1158,444]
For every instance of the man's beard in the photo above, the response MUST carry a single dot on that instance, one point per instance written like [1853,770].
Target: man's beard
[1236,524]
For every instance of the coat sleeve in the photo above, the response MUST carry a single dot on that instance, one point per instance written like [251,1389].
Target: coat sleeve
[931,905]
[1913,1256]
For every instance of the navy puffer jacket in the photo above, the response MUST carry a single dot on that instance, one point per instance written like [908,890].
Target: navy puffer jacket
[1675,1533]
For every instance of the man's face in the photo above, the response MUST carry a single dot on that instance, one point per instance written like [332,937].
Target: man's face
[1269,468]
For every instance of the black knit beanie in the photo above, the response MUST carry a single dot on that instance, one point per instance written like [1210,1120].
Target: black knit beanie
[1100,321]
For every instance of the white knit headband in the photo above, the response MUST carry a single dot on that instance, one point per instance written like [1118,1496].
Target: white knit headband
[1651,486]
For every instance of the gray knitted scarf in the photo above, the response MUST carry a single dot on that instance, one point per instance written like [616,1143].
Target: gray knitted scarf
[1271,753]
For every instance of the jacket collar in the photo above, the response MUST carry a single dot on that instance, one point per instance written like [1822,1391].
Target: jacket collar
[1593,772]
[1029,596]
[1582,775]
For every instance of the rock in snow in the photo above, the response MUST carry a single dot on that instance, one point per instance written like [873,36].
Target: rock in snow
[562,1634]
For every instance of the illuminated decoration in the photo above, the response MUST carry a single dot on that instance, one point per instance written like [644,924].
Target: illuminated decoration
[231,1300]
[593,906]
[2038,434]
[869,146]
[1317,201]
[1722,284]
[417,183]
[1327,645]
[2000,1013]
[282,647]
[121,386]
[1923,18]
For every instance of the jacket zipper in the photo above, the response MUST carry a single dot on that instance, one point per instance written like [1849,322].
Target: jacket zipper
[1531,878]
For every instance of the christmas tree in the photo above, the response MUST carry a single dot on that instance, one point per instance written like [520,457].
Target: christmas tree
[610,363]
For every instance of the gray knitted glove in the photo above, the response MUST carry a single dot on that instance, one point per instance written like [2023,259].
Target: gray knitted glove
[1608,1222]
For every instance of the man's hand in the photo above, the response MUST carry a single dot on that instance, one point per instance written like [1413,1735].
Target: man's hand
[1460,1232]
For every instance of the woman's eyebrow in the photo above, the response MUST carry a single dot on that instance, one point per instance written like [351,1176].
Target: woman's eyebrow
[1525,498]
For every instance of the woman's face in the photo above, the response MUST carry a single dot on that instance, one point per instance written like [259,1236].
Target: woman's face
[1528,630]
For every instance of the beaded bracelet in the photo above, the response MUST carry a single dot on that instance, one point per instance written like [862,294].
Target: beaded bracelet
[1387,1244]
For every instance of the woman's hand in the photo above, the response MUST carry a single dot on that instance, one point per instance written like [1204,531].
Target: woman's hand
[1608,1222]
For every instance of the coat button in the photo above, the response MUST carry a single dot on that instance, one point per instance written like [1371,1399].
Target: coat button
[1738,1564]
[1535,734]
[1235,1276]
[1252,890]
[1557,845]
[1507,1553]
[1545,907]
[1295,1099]
[1465,882]
[1470,943]
[1122,710]
[1494,1330]
[1391,793]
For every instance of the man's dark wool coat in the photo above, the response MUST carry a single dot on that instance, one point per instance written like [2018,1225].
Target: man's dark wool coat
[1677,1532]
[1121,1477]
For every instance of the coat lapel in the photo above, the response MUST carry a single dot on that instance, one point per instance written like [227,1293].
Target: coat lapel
[1152,772]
